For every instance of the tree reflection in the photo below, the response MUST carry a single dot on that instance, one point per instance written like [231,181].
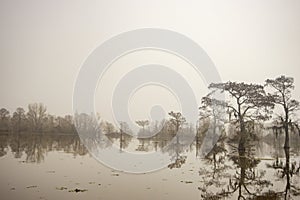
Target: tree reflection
[121,136]
[3,145]
[90,131]
[175,150]
[287,170]
[34,146]
[243,182]
[216,159]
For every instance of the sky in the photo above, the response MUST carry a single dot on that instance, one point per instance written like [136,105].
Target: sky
[44,44]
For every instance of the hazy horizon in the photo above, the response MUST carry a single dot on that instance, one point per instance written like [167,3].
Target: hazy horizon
[44,43]
[144,66]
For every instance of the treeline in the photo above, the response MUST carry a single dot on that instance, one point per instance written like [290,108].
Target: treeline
[247,106]
[34,120]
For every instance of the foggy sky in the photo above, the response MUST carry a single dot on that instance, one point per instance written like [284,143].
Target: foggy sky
[44,43]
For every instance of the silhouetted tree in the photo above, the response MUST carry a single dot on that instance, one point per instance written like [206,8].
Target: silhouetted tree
[249,102]
[282,96]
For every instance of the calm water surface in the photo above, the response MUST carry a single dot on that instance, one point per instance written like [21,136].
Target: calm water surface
[59,167]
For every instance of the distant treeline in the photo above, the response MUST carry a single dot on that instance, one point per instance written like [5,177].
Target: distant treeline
[247,106]
[35,119]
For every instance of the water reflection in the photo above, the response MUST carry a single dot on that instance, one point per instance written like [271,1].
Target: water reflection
[242,180]
[35,146]
[286,170]
[259,169]
[237,176]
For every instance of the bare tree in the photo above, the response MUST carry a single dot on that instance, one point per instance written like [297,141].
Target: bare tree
[36,115]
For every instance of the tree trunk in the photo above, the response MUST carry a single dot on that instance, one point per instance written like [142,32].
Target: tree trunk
[287,172]
[287,137]
[286,130]
[243,135]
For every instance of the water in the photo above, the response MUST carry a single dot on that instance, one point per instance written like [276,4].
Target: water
[59,167]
